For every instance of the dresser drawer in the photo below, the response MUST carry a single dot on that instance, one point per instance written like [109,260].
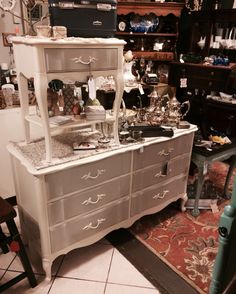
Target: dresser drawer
[84,202]
[162,152]
[82,59]
[81,228]
[87,175]
[156,195]
[161,172]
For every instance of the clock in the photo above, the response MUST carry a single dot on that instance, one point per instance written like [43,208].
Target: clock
[7,4]
[122,26]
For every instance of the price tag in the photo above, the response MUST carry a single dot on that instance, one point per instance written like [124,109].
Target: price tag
[214,208]
[183,83]
[140,87]
[91,89]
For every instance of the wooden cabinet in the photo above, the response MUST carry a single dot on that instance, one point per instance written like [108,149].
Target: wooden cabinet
[74,204]
[214,28]
[140,41]
[199,76]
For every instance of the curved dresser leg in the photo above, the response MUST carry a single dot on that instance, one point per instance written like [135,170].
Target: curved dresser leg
[184,199]
[47,266]
[229,174]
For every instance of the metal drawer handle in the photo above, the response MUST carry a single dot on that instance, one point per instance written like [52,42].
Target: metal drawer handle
[158,196]
[90,225]
[90,201]
[88,176]
[165,153]
[79,60]
[160,174]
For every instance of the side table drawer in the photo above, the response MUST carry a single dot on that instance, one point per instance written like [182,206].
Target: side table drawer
[87,175]
[84,202]
[156,195]
[82,59]
[81,228]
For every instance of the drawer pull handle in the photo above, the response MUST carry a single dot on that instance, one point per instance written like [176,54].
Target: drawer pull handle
[158,196]
[90,225]
[80,60]
[90,201]
[88,176]
[160,174]
[166,153]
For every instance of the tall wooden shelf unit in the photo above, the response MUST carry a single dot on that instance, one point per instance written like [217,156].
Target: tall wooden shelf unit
[205,24]
[142,8]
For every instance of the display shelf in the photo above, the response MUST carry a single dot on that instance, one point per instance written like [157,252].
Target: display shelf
[167,14]
[164,56]
[151,35]
[209,24]
[142,7]
[76,121]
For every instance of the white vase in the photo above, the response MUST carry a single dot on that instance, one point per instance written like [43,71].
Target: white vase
[129,78]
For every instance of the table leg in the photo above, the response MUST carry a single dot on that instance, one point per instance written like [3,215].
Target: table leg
[229,174]
[201,168]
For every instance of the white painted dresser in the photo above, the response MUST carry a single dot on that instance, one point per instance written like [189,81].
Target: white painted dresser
[66,205]
[75,204]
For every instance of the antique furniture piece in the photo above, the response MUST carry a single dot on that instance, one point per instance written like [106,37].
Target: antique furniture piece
[74,204]
[224,267]
[150,29]
[72,59]
[209,32]
[69,204]
[203,157]
[199,76]
[202,80]
[206,113]
[13,242]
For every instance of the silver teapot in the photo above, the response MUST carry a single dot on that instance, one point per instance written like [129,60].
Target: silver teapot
[155,113]
[174,113]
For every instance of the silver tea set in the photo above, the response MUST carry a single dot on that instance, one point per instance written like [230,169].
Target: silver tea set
[163,110]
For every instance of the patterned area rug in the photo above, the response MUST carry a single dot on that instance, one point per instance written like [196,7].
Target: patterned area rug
[187,244]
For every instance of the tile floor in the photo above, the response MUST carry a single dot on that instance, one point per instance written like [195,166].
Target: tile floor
[95,269]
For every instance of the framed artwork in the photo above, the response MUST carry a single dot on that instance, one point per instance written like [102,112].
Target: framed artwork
[6,38]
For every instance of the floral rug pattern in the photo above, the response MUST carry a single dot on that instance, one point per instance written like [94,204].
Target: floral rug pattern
[187,244]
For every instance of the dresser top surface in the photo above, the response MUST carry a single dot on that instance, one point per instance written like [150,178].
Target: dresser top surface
[34,40]
[16,150]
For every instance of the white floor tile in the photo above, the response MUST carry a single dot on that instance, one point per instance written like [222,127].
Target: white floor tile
[65,285]
[89,263]
[16,265]
[1,273]
[123,272]
[117,289]
[6,259]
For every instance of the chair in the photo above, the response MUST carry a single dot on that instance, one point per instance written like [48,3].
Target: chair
[224,270]
[13,242]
